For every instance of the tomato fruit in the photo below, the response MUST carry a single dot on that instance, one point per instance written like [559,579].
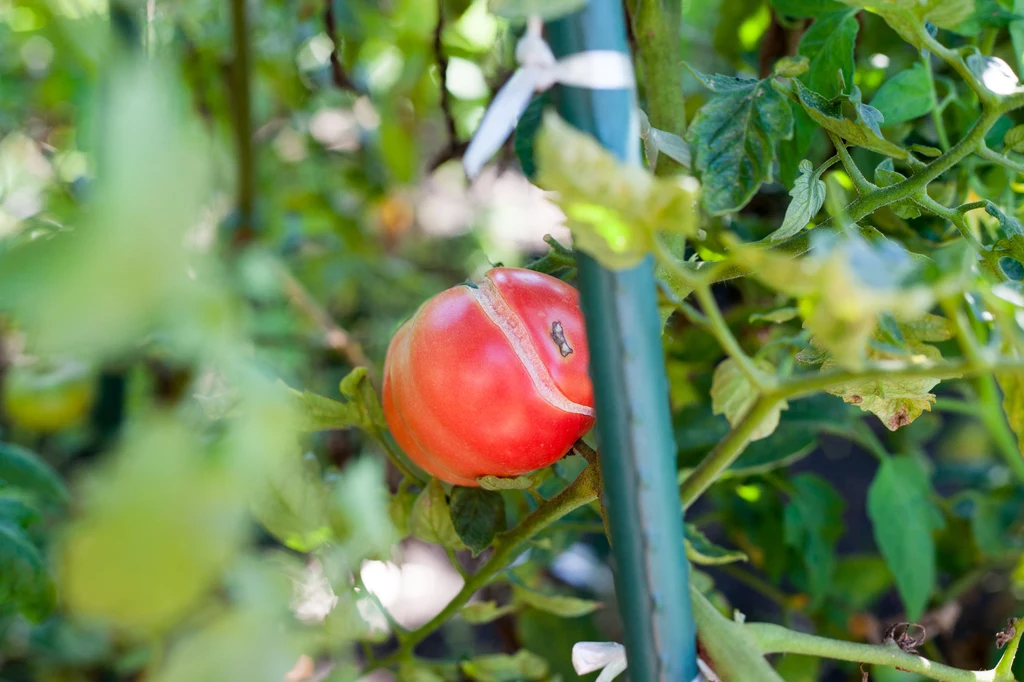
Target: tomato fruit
[490,379]
[48,397]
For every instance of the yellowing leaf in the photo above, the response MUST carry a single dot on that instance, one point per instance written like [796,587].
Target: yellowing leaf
[897,402]
[733,395]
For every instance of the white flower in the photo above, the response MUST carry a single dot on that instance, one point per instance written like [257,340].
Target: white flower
[590,656]
[611,656]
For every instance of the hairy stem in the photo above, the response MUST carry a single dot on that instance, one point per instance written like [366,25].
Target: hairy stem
[777,639]
[656,27]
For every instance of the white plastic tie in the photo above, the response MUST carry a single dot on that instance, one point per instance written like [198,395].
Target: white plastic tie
[538,71]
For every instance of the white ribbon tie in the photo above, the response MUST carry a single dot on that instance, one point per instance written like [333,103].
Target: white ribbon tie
[538,71]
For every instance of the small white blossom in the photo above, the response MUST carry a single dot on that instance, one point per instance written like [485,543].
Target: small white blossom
[590,656]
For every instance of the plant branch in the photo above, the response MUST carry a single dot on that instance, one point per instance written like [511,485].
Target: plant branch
[772,639]
[580,492]
[338,75]
[242,124]
[940,127]
[991,412]
[995,157]
[336,338]
[861,183]
[726,452]
[712,317]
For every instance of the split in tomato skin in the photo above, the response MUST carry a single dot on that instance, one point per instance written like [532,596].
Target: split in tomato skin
[490,379]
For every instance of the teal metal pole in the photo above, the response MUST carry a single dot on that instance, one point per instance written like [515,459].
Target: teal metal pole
[634,425]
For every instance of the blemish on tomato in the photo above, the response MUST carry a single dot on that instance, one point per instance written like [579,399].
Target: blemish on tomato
[558,336]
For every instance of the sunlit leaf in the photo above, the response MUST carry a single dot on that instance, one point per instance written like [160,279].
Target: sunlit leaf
[613,208]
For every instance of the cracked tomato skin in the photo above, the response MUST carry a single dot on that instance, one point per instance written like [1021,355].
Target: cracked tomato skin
[490,379]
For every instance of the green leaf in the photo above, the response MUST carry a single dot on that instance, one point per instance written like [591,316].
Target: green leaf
[734,137]
[994,516]
[521,10]
[566,607]
[885,176]
[526,134]
[24,470]
[524,482]
[806,8]
[903,518]
[813,525]
[777,316]
[362,408]
[908,17]
[1012,386]
[828,43]
[795,437]
[504,668]
[733,395]
[16,510]
[1013,140]
[25,581]
[859,128]
[702,551]
[905,96]
[431,520]
[480,612]
[808,196]
[358,509]
[292,505]
[411,672]
[860,581]
[400,510]
[477,515]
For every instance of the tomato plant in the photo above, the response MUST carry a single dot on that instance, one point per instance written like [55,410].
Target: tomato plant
[490,379]
[331,440]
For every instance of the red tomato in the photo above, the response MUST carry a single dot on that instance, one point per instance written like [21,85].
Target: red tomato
[490,379]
